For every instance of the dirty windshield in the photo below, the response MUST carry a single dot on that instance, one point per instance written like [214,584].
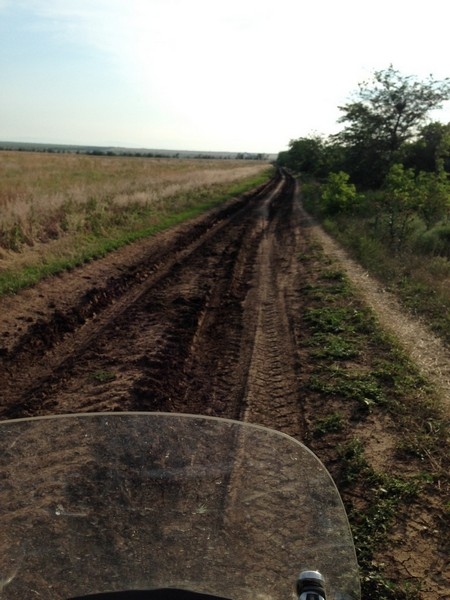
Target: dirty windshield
[108,502]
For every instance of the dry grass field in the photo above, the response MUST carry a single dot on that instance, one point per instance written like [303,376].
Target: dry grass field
[62,209]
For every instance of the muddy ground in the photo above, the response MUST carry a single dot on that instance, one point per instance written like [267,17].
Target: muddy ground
[205,319]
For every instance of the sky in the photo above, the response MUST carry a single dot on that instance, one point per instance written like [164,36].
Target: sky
[204,75]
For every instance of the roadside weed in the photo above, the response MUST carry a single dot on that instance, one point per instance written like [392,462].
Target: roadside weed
[330,424]
[357,378]
[99,377]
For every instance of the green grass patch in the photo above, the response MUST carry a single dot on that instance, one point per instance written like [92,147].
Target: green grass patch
[372,522]
[421,281]
[330,424]
[360,388]
[332,346]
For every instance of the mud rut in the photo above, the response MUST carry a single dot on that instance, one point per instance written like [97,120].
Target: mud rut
[204,319]
[205,324]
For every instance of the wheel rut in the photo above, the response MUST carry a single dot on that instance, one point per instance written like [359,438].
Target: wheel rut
[272,395]
[207,318]
[181,332]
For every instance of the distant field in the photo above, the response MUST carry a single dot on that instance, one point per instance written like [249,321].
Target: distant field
[52,206]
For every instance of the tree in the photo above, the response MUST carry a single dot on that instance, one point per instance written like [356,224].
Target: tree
[389,110]
[399,204]
[314,156]
[304,155]
[430,149]
[338,195]
[433,190]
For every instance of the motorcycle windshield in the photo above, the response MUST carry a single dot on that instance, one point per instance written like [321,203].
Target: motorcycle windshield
[134,501]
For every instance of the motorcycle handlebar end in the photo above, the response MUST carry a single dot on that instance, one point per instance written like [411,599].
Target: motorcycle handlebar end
[311,586]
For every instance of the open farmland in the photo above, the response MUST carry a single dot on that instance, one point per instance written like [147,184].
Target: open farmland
[63,209]
[243,312]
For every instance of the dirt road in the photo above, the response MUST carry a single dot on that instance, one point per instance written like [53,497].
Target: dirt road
[197,321]
[203,319]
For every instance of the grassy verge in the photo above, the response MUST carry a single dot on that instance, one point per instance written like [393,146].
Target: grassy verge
[104,226]
[418,275]
[378,427]
[421,282]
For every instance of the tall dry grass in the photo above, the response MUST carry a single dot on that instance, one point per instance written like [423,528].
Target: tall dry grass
[44,196]
[57,210]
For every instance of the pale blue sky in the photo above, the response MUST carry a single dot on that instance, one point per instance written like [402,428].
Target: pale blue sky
[232,75]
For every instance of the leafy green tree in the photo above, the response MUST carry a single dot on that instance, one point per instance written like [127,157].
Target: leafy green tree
[312,156]
[304,155]
[431,147]
[338,194]
[433,191]
[399,204]
[388,111]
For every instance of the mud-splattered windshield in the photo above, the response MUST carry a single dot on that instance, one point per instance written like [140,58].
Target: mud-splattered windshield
[130,501]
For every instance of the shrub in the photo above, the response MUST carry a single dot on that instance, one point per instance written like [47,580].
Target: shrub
[338,194]
[399,204]
[435,241]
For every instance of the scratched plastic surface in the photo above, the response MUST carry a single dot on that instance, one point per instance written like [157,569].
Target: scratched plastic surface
[108,502]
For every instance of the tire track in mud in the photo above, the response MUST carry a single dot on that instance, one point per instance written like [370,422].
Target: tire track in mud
[272,390]
[186,337]
[49,347]
[210,323]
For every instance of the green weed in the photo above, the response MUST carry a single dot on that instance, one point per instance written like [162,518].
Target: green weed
[99,377]
[333,347]
[361,388]
[371,524]
[331,424]
[329,319]
[353,461]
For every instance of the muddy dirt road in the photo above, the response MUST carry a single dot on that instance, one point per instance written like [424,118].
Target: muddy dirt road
[204,318]
[200,321]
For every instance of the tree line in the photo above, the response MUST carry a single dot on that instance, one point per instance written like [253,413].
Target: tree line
[389,162]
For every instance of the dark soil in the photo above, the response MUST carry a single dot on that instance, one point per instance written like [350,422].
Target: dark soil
[204,319]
